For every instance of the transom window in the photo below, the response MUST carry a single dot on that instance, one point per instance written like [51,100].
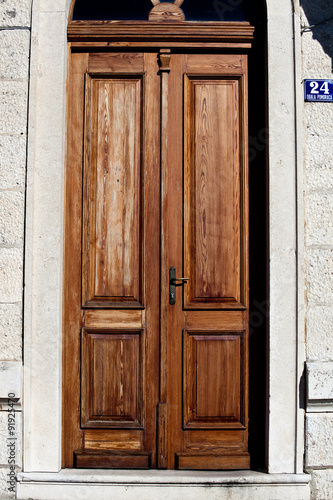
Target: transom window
[138,10]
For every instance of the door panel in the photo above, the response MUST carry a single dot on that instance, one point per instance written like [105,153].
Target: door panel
[112,401]
[212,201]
[213,376]
[111,271]
[161,183]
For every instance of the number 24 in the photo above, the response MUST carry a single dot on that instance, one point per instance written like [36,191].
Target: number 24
[324,88]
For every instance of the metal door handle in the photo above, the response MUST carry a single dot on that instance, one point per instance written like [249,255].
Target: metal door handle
[173,283]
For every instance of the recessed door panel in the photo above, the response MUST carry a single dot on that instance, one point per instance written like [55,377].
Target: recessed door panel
[212,203]
[112,192]
[212,380]
[111,379]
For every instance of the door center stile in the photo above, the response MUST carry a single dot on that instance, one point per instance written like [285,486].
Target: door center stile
[164,63]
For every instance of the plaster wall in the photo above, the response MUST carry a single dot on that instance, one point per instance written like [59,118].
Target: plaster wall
[15,18]
[317,59]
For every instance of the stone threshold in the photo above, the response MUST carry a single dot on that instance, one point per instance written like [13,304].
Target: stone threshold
[84,484]
[160,477]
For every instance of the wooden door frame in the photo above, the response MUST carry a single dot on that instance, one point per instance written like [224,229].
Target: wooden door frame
[42,391]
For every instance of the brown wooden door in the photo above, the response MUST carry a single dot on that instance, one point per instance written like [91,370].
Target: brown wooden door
[156,178]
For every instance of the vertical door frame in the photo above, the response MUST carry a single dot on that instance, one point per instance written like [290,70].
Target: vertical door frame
[44,240]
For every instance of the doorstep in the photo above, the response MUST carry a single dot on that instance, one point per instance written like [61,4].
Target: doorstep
[87,484]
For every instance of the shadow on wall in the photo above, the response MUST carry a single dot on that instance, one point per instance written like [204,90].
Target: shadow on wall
[319,14]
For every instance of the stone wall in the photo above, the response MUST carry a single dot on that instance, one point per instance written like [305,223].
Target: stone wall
[14,75]
[317,56]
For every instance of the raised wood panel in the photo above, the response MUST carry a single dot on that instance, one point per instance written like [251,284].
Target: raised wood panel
[97,318]
[101,62]
[112,460]
[213,462]
[229,64]
[96,439]
[213,441]
[111,272]
[212,199]
[216,320]
[213,378]
[111,379]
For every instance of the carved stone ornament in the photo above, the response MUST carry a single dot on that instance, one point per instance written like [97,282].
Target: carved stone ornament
[166,11]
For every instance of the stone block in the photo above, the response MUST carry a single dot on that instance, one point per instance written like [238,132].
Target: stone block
[11,275]
[318,164]
[14,54]
[321,484]
[13,107]
[319,333]
[11,332]
[319,218]
[10,383]
[15,12]
[317,119]
[319,386]
[319,276]
[319,440]
[13,451]
[11,218]
[12,161]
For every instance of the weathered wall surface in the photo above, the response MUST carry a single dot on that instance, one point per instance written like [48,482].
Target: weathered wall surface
[317,56]
[14,72]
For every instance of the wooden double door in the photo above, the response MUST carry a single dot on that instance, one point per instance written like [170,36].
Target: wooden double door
[155,375]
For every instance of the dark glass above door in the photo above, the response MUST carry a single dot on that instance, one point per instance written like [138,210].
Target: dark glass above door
[138,10]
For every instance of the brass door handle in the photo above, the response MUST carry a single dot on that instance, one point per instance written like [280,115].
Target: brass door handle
[173,283]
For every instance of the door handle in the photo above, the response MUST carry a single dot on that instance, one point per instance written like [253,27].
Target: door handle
[173,283]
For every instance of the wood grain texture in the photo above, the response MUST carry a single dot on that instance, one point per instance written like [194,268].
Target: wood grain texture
[212,199]
[229,64]
[120,440]
[111,380]
[213,441]
[164,63]
[216,320]
[95,43]
[72,434]
[236,34]
[116,62]
[213,379]
[134,358]
[166,12]
[115,460]
[162,439]
[213,462]
[111,238]
[112,319]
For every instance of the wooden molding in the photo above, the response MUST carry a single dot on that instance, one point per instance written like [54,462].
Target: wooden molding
[237,34]
[164,59]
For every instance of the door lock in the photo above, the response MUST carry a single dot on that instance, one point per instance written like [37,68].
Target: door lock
[173,283]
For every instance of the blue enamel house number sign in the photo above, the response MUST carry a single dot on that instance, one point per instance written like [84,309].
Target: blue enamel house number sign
[318,90]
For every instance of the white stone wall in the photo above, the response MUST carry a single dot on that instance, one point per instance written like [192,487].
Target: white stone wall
[14,74]
[317,57]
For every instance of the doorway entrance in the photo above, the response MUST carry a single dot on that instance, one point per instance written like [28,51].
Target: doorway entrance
[156,247]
